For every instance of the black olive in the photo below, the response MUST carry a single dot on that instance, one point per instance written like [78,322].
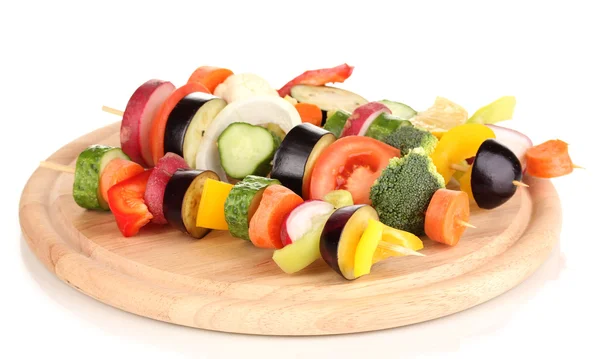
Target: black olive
[494,170]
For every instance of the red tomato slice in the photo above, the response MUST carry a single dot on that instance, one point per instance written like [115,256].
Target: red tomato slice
[159,123]
[126,201]
[352,163]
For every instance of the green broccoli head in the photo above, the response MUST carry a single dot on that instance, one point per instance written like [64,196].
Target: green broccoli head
[402,193]
[406,138]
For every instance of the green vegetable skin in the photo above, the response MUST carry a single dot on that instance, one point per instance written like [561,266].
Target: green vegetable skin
[406,138]
[384,125]
[245,149]
[403,191]
[88,168]
[500,110]
[336,121]
[238,203]
[399,109]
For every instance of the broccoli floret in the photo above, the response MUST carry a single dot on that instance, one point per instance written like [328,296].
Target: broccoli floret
[405,138]
[403,191]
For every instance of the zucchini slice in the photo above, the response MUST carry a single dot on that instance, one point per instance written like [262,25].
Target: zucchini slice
[182,198]
[328,98]
[245,149]
[384,125]
[295,159]
[242,202]
[88,169]
[399,109]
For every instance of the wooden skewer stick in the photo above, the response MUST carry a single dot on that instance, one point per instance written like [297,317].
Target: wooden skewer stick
[577,166]
[463,223]
[461,168]
[399,249]
[520,184]
[57,167]
[114,111]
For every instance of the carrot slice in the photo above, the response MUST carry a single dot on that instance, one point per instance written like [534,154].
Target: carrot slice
[309,113]
[159,123]
[549,159]
[210,76]
[445,212]
[265,226]
[117,170]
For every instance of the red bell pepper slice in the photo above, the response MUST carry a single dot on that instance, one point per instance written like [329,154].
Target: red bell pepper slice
[318,77]
[126,201]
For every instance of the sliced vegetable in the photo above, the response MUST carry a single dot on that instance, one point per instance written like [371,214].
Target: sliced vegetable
[339,198]
[549,159]
[116,171]
[365,248]
[259,110]
[341,234]
[440,117]
[352,163]
[516,141]
[295,159]
[154,195]
[159,123]
[492,174]
[336,121]
[318,77]
[126,201]
[244,86]
[384,125]
[458,144]
[197,128]
[304,251]
[399,109]
[265,226]
[242,202]
[180,118]
[88,169]
[327,98]
[137,119]
[211,210]
[300,220]
[446,213]
[500,110]
[362,117]
[210,76]
[245,149]
[182,197]
[309,113]
[400,238]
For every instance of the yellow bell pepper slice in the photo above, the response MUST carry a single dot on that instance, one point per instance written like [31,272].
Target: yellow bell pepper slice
[459,143]
[398,237]
[211,210]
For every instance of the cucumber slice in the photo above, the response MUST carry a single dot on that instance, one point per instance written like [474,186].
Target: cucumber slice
[399,109]
[384,125]
[336,121]
[88,169]
[197,128]
[246,149]
[242,202]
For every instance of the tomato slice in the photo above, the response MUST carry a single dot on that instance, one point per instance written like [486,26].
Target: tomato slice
[126,201]
[159,123]
[352,163]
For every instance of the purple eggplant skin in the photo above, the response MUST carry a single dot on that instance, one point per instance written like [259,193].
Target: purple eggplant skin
[173,197]
[289,162]
[332,233]
[494,169]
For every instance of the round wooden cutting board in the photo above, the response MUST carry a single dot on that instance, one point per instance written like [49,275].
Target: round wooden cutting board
[225,284]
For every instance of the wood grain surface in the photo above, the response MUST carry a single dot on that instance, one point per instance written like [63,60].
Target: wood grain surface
[225,284]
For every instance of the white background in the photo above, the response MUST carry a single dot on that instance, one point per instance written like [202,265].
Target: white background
[61,62]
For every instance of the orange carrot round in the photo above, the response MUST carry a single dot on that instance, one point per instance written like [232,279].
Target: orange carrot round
[210,76]
[265,226]
[446,213]
[117,170]
[159,123]
[549,159]
[309,113]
